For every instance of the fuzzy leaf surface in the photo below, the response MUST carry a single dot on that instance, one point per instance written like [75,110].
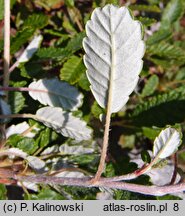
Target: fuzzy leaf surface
[114,50]
[166,143]
[30,49]
[64,123]
[56,93]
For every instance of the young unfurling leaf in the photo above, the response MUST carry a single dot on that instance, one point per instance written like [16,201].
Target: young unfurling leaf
[166,143]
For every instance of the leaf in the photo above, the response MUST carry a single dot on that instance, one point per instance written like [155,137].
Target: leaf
[167,50]
[158,36]
[44,138]
[4,110]
[145,156]
[147,8]
[30,49]
[21,38]
[150,133]
[68,174]
[16,101]
[36,21]
[173,11]
[150,86]
[62,53]
[147,21]
[69,3]
[180,74]
[17,152]
[3,190]
[96,110]
[1,9]
[64,123]
[27,144]
[114,49]
[46,194]
[65,149]
[19,129]
[161,110]
[53,92]
[72,70]
[31,70]
[84,82]
[166,143]
[36,163]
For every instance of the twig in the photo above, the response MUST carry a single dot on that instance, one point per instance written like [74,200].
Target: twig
[175,169]
[6,42]
[24,115]
[22,89]
[86,182]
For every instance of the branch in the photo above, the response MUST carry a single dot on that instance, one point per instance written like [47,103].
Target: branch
[86,182]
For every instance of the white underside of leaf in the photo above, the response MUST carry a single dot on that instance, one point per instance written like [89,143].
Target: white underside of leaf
[56,93]
[30,49]
[166,143]
[64,123]
[5,109]
[74,150]
[114,51]
[20,128]
[35,163]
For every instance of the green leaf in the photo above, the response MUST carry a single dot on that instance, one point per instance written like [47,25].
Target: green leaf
[1,9]
[3,192]
[96,110]
[36,21]
[31,70]
[165,63]
[173,11]
[145,156]
[26,144]
[69,3]
[72,70]
[168,197]
[21,38]
[46,194]
[115,2]
[62,53]
[167,50]
[180,74]
[167,108]
[84,82]
[150,133]
[150,86]
[147,8]
[160,35]
[147,21]
[44,138]
[16,101]
[31,24]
